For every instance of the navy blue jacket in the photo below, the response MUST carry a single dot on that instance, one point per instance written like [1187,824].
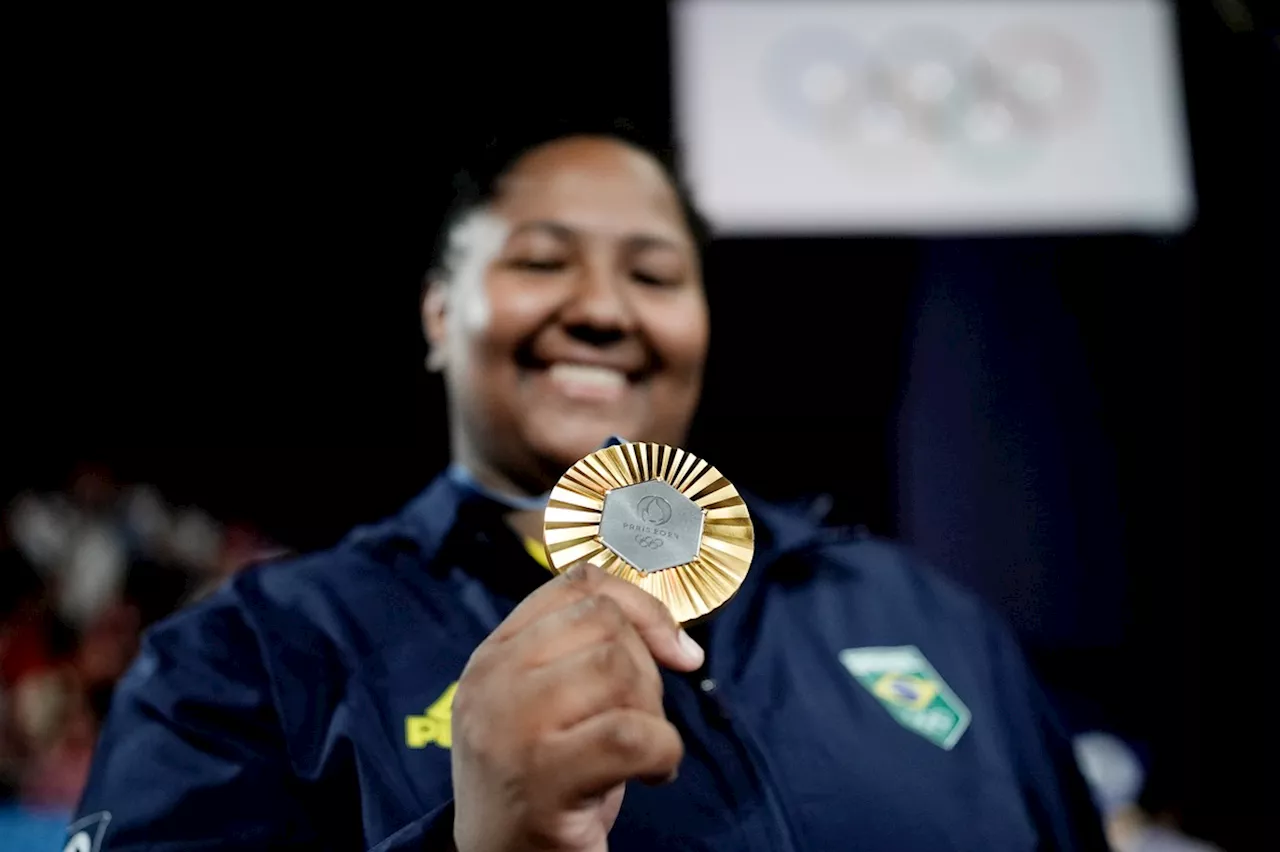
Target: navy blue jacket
[306,705]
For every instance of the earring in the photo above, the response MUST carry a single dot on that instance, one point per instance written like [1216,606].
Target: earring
[435,361]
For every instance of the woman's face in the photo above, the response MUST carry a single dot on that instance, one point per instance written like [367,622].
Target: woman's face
[574,311]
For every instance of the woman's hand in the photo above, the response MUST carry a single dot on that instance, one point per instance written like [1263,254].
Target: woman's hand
[558,709]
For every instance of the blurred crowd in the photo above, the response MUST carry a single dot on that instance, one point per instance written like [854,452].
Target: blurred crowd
[83,572]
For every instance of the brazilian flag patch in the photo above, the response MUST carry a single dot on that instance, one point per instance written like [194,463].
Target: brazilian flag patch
[915,695]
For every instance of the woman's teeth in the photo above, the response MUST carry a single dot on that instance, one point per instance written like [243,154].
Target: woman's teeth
[586,381]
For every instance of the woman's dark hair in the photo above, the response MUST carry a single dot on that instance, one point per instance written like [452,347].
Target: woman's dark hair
[476,183]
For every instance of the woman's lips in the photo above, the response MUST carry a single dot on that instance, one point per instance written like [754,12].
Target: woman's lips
[587,382]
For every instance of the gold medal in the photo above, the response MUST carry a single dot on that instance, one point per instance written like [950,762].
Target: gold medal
[655,516]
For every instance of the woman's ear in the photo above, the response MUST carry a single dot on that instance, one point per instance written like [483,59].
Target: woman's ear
[434,326]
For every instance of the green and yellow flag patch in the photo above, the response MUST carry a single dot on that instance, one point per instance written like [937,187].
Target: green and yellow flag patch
[911,690]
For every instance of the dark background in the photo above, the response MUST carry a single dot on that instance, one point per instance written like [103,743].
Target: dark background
[225,220]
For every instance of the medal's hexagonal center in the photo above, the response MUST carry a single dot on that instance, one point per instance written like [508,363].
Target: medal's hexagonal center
[651,525]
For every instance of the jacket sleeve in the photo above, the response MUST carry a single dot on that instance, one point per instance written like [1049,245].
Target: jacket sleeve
[1057,795]
[191,755]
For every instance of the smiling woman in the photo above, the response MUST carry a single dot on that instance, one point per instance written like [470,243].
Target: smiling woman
[429,684]
[567,303]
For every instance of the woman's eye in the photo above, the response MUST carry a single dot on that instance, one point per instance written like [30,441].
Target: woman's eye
[530,265]
[651,279]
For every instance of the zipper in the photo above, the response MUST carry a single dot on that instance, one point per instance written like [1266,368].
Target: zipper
[755,763]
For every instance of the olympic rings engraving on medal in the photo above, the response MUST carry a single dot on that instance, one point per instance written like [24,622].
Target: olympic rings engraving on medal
[654,516]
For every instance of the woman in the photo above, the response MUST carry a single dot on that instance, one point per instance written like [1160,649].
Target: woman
[426,684]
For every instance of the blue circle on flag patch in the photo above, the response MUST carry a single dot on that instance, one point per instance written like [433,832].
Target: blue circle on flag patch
[905,690]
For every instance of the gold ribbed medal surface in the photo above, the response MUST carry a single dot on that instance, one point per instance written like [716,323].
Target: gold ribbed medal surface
[655,516]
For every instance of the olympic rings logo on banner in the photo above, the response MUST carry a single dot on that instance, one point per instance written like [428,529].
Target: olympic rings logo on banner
[923,90]
[650,541]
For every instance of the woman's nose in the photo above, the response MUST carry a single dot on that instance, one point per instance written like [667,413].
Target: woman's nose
[600,308]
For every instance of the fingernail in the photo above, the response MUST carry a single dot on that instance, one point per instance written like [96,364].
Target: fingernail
[692,650]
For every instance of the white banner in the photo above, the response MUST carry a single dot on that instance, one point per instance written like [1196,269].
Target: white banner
[910,116]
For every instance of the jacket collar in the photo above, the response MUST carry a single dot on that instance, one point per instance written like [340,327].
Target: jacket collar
[448,521]
[443,505]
